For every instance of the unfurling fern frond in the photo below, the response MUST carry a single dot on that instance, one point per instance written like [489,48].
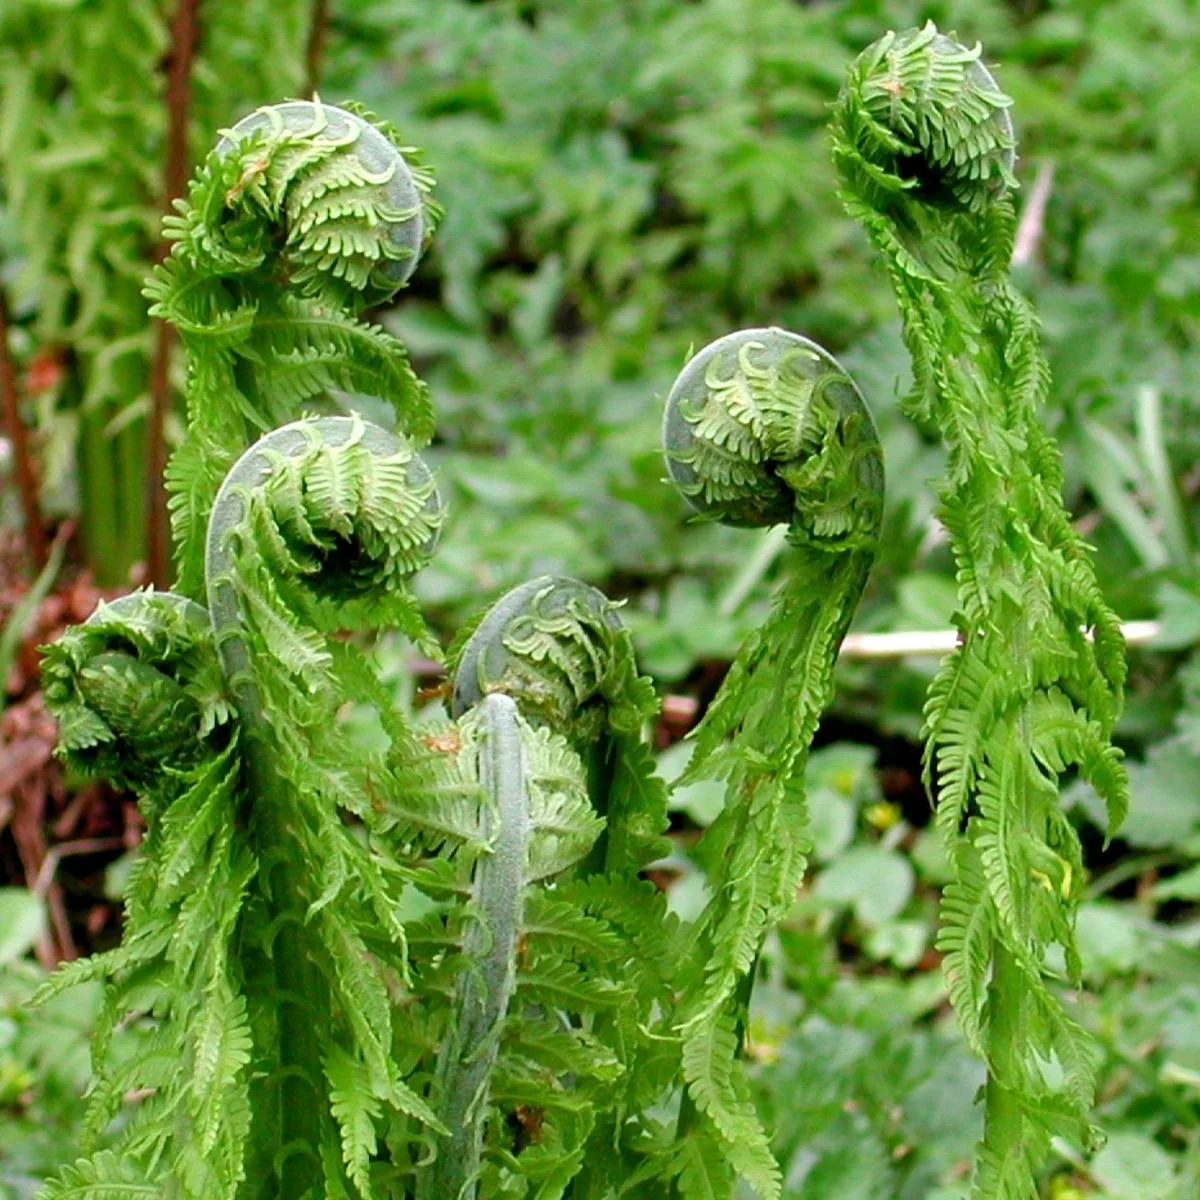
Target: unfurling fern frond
[264,925]
[559,649]
[763,427]
[139,697]
[549,659]
[302,217]
[924,144]
[316,527]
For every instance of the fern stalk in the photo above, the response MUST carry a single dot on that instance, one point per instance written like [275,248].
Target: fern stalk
[924,143]
[468,1054]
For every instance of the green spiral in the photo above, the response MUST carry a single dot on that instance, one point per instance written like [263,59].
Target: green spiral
[920,115]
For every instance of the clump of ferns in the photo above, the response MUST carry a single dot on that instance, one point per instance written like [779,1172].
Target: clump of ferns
[470,989]
[354,972]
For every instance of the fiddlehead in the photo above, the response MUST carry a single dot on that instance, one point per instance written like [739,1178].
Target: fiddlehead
[924,145]
[315,529]
[303,216]
[557,646]
[761,427]
[140,700]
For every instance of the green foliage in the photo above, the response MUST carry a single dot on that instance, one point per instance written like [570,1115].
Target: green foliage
[924,144]
[623,181]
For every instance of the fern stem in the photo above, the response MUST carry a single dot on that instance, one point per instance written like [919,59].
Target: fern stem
[486,983]
[1004,1123]
[185,33]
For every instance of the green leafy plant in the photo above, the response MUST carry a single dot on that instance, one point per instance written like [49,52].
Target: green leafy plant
[763,427]
[371,962]
[925,147]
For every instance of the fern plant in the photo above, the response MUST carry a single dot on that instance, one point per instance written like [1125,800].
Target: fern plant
[432,967]
[764,427]
[924,143]
[359,969]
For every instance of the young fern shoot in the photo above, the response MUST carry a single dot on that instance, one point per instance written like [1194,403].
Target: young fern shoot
[302,217]
[764,427]
[924,144]
[588,1020]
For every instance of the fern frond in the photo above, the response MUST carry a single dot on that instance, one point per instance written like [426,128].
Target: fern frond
[924,143]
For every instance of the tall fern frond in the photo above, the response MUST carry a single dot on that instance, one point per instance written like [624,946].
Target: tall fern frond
[924,143]
[763,427]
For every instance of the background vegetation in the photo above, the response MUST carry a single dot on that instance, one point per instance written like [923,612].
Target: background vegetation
[624,179]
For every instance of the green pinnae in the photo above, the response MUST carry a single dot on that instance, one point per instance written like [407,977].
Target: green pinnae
[763,427]
[353,206]
[921,114]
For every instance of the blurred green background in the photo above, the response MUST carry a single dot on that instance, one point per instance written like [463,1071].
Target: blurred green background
[624,180]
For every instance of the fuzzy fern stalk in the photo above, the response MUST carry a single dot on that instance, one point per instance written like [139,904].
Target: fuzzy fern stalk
[763,427]
[302,217]
[468,1053]
[925,147]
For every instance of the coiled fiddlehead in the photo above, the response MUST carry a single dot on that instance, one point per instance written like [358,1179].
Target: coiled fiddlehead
[557,646]
[267,917]
[303,216]
[762,427]
[924,145]
[140,700]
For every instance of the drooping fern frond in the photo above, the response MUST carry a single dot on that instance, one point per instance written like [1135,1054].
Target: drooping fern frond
[763,427]
[924,143]
[303,216]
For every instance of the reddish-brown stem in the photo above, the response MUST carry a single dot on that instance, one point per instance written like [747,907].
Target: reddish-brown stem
[185,29]
[14,428]
[315,50]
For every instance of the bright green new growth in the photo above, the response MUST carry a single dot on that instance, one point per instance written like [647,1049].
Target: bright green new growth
[924,144]
[303,216]
[557,646]
[762,427]
[362,965]
[263,929]
[260,927]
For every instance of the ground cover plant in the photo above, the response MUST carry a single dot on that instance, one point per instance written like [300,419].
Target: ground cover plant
[543,366]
